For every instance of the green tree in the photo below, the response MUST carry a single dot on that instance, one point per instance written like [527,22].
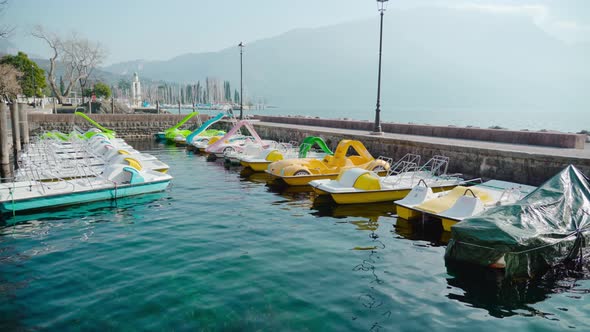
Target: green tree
[32,82]
[236,97]
[102,90]
[87,92]
[124,85]
[226,91]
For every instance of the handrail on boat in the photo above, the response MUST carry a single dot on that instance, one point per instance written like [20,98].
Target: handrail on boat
[469,191]
[423,182]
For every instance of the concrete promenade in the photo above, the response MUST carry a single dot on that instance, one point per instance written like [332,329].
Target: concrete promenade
[511,162]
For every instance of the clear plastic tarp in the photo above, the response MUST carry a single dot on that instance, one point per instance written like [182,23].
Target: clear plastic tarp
[546,227]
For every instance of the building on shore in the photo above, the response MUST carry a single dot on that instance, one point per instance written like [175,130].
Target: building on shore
[136,91]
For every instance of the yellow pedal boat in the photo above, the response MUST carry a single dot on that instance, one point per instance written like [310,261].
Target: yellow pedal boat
[300,171]
[461,202]
[359,186]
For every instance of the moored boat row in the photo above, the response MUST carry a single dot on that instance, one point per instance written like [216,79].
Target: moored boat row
[59,170]
[429,193]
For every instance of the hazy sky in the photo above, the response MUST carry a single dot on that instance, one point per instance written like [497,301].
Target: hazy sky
[158,30]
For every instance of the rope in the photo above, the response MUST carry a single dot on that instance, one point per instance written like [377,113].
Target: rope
[576,233]
[12,197]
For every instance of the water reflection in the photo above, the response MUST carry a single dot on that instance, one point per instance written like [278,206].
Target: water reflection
[324,206]
[504,297]
[247,174]
[111,210]
[417,230]
[373,298]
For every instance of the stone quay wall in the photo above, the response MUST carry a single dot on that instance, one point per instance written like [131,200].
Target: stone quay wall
[128,126]
[472,162]
[540,138]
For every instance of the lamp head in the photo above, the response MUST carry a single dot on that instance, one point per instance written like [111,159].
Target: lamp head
[382,5]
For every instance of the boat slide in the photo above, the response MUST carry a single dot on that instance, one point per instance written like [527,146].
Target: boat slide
[224,144]
[309,142]
[89,134]
[205,126]
[172,132]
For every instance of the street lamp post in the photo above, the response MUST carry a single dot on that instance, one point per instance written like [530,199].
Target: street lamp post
[382,6]
[241,46]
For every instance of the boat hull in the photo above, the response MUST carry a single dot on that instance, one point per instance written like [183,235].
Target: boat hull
[377,196]
[256,166]
[161,136]
[320,192]
[64,199]
[303,180]
[407,213]
[448,223]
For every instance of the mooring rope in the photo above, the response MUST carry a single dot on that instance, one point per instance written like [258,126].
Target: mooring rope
[12,198]
[576,232]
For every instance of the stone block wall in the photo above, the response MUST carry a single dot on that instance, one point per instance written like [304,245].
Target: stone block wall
[517,167]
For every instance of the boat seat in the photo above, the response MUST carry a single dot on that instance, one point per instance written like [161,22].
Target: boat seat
[134,176]
[417,195]
[445,202]
[348,177]
[465,206]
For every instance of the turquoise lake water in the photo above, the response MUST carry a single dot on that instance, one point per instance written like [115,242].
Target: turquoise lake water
[222,250]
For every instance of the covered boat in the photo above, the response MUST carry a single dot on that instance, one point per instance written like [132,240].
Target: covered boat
[545,228]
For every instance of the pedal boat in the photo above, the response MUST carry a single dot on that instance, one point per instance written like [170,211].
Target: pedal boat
[202,130]
[260,161]
[250,150]
[300,171]
[171,133]
[460,202]
[359,186]
[229,143]
[114,182]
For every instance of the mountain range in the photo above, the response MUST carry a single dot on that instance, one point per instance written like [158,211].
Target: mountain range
[431,58]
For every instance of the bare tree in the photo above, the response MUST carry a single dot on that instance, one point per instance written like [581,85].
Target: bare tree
[78,56]
[9,85]
[83,56]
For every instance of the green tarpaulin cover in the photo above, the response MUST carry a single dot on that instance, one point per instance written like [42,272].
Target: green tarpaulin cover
[549,225]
